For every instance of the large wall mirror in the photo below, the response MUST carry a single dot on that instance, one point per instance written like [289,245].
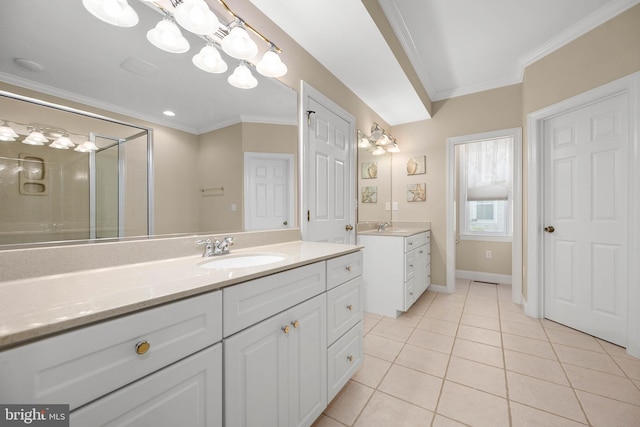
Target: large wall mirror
[207,159]
[374,186]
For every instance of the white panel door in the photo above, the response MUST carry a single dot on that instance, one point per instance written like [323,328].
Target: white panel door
[329,204]
[585,187]
[268,191]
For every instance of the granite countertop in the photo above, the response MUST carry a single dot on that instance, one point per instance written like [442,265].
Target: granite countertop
[36,307]
[395,231]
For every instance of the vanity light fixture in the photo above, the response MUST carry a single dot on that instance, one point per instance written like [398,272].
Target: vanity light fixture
[86,147]
[363,141]
[62,143]
[114,12]
[378,151]
[35,138]
[394,147]
[210,60]
[196,16]
[167,36]
[242,77]
[380,140]
[7,133]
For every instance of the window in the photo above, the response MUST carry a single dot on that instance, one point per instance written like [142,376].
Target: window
[486,169]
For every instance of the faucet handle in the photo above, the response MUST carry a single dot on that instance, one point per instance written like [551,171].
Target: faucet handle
[229,240]
[203,242]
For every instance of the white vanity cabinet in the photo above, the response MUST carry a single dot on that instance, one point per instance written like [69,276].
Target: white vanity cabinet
[275,369]
[396,271]
[102,371]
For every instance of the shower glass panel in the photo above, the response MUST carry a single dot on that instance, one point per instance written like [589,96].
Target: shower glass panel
[105,174]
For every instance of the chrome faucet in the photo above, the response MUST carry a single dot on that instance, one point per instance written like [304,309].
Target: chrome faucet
[219,247]
[383,226]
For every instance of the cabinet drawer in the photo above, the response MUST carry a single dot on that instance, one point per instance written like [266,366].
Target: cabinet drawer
[82,365]
[344,308]
[248,303]
[409,265]
[343,269]
[412,242]
[344,358]
[408,294]
[188,393]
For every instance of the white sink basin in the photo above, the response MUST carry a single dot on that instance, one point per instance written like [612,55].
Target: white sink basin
[242,261]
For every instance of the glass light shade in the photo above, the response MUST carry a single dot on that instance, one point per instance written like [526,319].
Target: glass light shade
[7,133]
[195,16]
[271,65]
[167,36]
[209,60]
[64,141]
[35,138]
[86,147]
[363,141]
[376,132]
[242,77]
[239,45]
[114,12]
[56,144]
[393,149]
[378,151]
[383,140]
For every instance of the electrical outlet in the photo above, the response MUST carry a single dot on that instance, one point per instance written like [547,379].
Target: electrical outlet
[489,254]
[387,206]
[395,206]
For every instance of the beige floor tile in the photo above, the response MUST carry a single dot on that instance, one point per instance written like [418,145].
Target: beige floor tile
[412,386]
[637,382]
[477,375]
[522,415]
[431,340]
[480,321]
[382,348]
[587,359]
[550,324]
[448,315]
[615,350]
[404,319]
[519,317]
[369,323]
[483,289]
[440,421]
[528,345]
[439,326]
[603,412]
[478,352]
[529,331]
[373,315]
[603,384]
[424,360]
[509,306]
[572,339]
[372,371]
[324,421]
[384,411]
[534,366]
[391,330]
[484,336]
[480,310]
[472,407]
[418,310]
[346,406]
[550,397]
[631,367]
[488,303]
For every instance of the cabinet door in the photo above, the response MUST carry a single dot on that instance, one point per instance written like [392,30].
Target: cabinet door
[307,361]
[420,272]
[256,374]
[188,393]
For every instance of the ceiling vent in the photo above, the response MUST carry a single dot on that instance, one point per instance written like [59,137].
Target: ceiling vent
[139,67]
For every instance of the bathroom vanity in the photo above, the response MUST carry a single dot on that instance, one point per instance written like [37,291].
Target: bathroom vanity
[176,342]
[397,268]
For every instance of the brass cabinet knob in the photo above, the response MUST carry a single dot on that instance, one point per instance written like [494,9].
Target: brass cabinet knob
[348,267]
[295,323]
[350,358]
[285,329]
[142,347]
[350,307]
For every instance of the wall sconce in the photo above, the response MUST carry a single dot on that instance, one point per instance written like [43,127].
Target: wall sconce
[379,140]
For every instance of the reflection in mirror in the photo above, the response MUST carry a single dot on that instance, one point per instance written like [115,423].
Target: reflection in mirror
[117,71]
[374,186]
[52,190]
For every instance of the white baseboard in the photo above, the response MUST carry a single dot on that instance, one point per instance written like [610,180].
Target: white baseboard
[483,277]
[439,288]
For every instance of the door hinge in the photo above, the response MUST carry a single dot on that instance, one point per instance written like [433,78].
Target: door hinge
[308,216]
[309,113]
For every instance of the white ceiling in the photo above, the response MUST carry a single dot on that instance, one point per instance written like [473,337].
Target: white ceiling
[456,47]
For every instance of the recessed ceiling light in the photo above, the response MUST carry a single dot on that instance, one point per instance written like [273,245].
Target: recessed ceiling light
[169,113]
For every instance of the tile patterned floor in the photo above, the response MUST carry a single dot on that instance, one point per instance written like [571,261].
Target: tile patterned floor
[473,358]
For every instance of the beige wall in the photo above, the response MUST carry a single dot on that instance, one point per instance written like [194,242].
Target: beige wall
[480,112]
[608,52]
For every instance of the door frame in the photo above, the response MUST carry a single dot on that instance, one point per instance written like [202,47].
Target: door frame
[517,227]
[307,91]
[534,305]
[288,158]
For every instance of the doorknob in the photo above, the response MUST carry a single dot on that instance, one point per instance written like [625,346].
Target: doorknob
[349,227]
[549,229]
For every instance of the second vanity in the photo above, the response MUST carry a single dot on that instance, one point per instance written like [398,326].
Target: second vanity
[175,343]
[397,271]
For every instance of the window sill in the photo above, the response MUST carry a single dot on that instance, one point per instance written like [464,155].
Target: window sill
[486,238]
